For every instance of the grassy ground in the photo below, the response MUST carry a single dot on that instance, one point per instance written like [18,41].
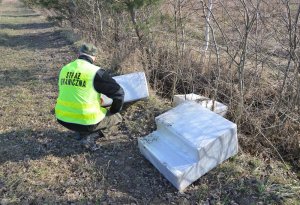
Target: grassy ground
[41,164]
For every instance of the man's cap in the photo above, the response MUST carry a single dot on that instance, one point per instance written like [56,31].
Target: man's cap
[89,49]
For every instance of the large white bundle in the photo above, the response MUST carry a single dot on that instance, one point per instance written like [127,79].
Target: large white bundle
[190,140]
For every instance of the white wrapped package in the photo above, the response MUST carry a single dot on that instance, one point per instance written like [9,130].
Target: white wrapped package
[134,85]
[214,106]
[189,141]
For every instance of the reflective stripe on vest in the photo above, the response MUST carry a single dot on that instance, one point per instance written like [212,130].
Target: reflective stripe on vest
[78,102]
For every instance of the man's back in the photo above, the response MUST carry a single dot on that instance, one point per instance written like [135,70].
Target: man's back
[78,101]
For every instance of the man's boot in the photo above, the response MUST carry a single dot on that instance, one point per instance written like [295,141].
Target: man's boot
[89,142]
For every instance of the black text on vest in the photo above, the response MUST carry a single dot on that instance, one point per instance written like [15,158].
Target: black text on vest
[73,79]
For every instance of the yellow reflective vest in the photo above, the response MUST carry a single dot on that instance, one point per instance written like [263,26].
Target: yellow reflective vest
[78,102]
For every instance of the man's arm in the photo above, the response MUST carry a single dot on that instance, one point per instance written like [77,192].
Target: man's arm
[105,84]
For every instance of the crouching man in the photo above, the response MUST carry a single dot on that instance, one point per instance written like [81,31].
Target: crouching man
[78,107]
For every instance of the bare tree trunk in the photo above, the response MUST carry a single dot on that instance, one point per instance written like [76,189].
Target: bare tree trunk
[207,26]
[100,19]
[176,22]
[292,55]
[249,21]
[145,49]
